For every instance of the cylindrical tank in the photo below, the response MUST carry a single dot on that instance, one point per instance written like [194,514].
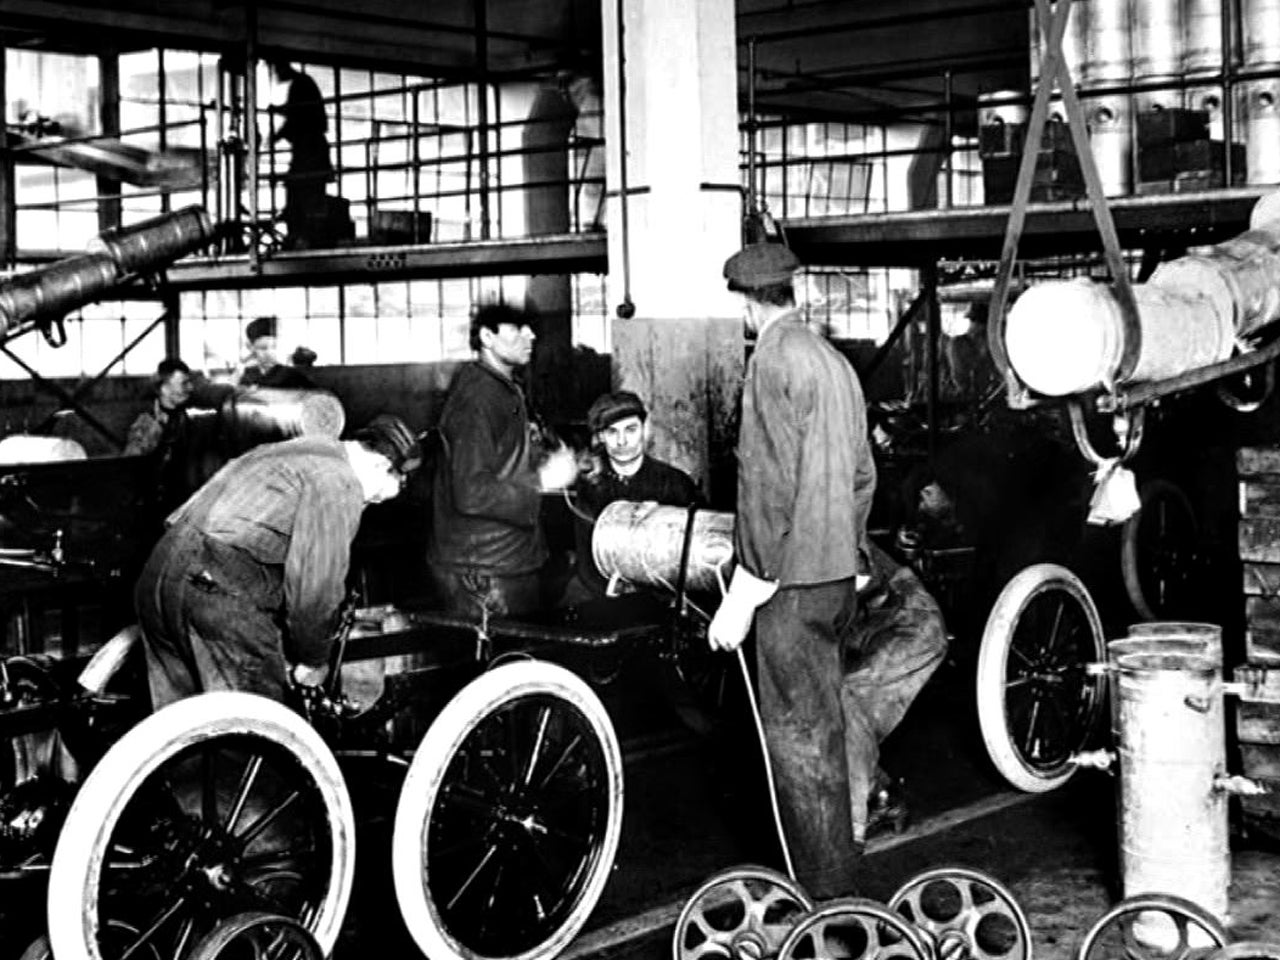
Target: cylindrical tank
[1173,822]
[1157,39]
[1202,38]
[1067,336]
[996,107]
[1073,43]
[1260,27]
[1145,101]
[156,242]
[253,415]
[1153,644]
[1261,130]
[55,290]
[1238,278]
[1108,42]
[1110,121]
[1211,633]
[642,542]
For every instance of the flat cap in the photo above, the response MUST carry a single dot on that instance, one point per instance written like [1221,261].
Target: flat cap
[260,327]
[391,437]
[761,265]
[609,408]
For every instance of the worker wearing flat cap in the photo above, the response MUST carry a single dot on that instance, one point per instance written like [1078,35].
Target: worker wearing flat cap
[805,483]
[243,590]
[263,368]
[620,434]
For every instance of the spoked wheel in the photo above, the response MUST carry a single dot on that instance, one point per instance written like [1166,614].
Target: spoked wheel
[1153,926]
[215,805]
[855,929]
[256,935]
[966,914]
[1157,552]
[1037,703]
[744,912]
[509,817]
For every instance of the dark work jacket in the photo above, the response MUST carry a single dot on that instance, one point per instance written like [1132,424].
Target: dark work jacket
[485,498]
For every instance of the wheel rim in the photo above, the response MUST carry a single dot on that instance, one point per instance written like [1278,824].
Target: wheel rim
[224,826]
[1038,700]
[967,914]
[1158,552]
[1153,926]
[855,929]
[744,913]
[518,826]
[509,817]
[258,936]
[217,804]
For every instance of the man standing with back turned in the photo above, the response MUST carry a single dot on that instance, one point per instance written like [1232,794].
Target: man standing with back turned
[805,482]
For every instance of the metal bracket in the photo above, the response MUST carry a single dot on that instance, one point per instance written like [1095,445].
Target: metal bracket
[1128,425]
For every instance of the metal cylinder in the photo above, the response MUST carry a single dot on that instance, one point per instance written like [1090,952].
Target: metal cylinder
[1208,633]
[1173,822]
[642,543]
[1261,130]
[1157,39]
[1151,646]
[1145,101]
[150,244]
[996,107]
[253,415]
[55,290]
[1110,121]
[1210,100]
[1073,43]
[1202,38]
[1260,27]
[1068,336]
[1108,42]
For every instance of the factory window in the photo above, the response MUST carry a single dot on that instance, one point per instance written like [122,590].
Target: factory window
[100,336]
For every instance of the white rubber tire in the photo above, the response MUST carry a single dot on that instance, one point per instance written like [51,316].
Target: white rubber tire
[489,692]
[993,658]
[74,878]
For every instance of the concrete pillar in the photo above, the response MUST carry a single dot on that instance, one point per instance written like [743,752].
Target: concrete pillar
[677,130]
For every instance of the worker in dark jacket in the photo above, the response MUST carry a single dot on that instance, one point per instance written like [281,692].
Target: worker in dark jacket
[486,547]
[305,128]
[805,482]
[262,368]
[250,574]
[619,426]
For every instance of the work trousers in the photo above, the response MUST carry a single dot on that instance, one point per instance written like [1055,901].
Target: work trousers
[477,594]
[798,651]
[898,641]
[210,619]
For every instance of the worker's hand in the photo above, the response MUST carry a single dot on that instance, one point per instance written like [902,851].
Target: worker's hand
[559,469]
[730,624]
[746,593]
[305,676]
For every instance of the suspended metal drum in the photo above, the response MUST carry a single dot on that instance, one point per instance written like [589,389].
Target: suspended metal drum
[253,415]
[55,290]
[156,242]
[1260,25]
[1108,42]
[643,542]
[1157,39]
[1262,130]
[1172,747]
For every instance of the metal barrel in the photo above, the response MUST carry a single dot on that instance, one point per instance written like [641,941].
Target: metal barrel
[1107,42]
[1156,645]
[1202,38]
[1157,39]
[1261,130]
[642,543]
[55,290]
[1110,121]
[156,242]
[1173,822]
[1260,27]
[253,415]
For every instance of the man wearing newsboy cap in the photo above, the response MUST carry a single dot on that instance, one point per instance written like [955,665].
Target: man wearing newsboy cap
[805,482]
[243,590]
